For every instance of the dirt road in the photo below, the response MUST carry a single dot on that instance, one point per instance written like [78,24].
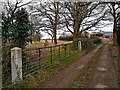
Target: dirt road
[104,73]
[64,78]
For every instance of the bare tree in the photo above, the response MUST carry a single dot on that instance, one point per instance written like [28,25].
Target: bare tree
[114,11]
[81,16]
[41,26]
[50,32]
[48,18]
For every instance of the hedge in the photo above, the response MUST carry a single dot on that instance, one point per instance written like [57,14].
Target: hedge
[88,43]
[70,38]
[97,41]
[67,38]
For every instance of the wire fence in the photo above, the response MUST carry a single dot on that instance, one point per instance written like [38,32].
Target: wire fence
[38,58]
[41,58]
[34,59]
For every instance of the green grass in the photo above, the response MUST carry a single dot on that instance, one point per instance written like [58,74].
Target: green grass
[86,72]
[38,43]
[45,74]
[114,54]
[33,81]
[46,57]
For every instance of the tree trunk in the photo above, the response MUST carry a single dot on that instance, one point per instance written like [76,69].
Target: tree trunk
[56,23]
[52,39]
[74,41]
[31,39]
[55,39]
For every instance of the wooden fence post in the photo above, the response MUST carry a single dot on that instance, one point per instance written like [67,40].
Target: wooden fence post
[16,64]
[80,45]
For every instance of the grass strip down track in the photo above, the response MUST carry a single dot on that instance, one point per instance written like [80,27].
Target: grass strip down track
[86,73]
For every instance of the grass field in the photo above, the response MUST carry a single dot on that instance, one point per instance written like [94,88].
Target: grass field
[41,43]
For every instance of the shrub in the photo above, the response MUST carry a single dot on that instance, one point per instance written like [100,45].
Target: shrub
[97,41]
[67,38]
[82,36]
[99,34]
[36,37]
[70,38]
[86,43]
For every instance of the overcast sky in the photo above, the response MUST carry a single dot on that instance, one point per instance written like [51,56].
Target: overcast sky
[106,28]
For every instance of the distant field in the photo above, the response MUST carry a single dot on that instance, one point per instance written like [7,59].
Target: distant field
[41,44]
[59,41]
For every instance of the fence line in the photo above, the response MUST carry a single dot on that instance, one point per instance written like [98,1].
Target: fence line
[33,60]
[40,58]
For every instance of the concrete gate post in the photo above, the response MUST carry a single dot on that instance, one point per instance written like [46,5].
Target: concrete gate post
[16,64]
[80,45]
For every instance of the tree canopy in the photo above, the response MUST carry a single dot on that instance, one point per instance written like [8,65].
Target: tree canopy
[17,30]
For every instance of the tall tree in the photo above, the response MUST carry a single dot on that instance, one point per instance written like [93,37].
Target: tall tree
[15,26]
[82,14]
[115,13]
[118,43]
[48,18]
[118,32]
[20,28]
[8,15]
[35,32]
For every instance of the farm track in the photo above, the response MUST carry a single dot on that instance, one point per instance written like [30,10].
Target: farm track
[63,79]
[103,75]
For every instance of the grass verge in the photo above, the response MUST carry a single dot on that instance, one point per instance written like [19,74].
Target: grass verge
[86,73]
[114,54]
[33,81]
